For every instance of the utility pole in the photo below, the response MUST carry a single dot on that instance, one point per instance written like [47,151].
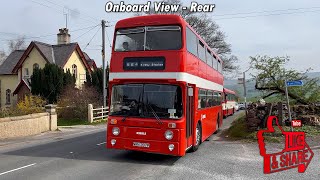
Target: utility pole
[288,103]
[103,24]
[245,93]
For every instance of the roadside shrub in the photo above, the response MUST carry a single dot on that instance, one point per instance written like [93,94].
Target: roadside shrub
[9,112]
[31,104]
[73,103]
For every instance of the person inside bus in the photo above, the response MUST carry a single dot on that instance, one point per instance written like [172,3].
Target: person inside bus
[125,46]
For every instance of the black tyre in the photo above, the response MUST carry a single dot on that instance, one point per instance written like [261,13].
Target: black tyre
[218,125]
[198,138]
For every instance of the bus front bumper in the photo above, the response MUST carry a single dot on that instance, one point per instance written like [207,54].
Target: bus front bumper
[150,146]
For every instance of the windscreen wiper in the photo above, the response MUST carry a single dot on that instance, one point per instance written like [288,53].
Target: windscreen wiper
[155,114]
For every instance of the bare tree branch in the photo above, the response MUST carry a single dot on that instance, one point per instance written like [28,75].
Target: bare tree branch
[209,31]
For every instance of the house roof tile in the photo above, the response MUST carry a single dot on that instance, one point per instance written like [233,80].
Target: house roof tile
[9,63]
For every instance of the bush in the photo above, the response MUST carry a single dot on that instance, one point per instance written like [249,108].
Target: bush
[9,112]
[31,104]
[73,103]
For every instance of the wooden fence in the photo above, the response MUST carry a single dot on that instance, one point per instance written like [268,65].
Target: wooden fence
[97,114]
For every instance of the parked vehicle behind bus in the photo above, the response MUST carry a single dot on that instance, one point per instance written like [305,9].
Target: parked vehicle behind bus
[229,103]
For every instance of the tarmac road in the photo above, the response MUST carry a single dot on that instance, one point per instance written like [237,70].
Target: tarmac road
[80,153]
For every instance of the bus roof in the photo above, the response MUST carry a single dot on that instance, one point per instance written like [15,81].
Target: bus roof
[159,19]
[149,20]
[228,91]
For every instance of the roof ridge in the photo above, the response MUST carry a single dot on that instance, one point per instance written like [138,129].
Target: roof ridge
[38,42]
[57,45]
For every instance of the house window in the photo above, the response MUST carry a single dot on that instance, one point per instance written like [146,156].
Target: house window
[8,96]
[35,66]
[26,71]
[74,70]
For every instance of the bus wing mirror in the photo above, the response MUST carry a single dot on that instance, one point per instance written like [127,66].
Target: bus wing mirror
[190,91]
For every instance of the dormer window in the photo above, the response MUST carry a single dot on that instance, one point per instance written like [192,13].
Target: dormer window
[74,70]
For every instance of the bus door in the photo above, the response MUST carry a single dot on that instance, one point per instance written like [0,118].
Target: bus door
[189,116]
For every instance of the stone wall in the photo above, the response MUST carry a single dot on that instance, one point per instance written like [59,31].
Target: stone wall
[28,125]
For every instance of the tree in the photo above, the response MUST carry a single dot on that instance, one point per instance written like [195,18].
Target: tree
[17,44]
[272,73]
[13,44]
[209,31]
[95,79]
[50,81]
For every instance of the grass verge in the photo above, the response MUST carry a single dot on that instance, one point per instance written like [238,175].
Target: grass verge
[238,131]
[73,122]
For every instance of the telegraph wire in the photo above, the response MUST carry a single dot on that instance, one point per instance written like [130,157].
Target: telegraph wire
[86,32]
[59,11]
[108,39]
[261,15]
[64,6]
[271,11]
[47,35]
[39,3]
[92,38]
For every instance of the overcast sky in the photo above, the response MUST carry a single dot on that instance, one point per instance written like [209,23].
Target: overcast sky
[293,31]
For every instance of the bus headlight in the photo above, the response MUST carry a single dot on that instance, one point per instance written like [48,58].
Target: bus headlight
[171,147]
[115,131]
[168,135]
[113,142]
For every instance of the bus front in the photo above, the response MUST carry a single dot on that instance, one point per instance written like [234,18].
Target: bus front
[145,95]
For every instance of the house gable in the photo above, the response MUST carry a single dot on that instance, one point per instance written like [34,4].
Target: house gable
[81,68]
[26,55]
[33,58]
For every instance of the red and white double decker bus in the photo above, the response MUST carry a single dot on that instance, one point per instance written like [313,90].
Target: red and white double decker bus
[229,103]
[165,87]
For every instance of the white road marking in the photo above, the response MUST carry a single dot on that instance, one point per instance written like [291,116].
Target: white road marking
[101,143]
[17,169]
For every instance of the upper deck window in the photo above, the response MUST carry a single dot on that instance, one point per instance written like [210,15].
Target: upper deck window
[148,38]
[201,51]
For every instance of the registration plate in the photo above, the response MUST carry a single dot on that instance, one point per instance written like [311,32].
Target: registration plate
[138,144]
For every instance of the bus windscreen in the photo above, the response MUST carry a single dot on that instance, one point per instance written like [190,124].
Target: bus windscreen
[136,99]
[148,38]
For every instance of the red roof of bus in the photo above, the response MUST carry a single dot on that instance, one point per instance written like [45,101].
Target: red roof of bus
[228,91]
[154,20]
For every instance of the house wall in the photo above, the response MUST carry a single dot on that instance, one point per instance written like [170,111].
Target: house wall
[8,82]
[34,57]
[81,74]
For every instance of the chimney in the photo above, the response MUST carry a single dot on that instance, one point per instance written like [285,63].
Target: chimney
[63,36]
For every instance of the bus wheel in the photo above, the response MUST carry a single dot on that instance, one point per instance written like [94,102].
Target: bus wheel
[198,138]
[218,125]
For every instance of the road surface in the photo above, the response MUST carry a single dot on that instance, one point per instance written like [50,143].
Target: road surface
[80,153]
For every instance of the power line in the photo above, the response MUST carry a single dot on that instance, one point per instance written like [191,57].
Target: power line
[261,15]
[259,12]
[108,39]
[92,38]
[47,35]
[86,32]
[60,11]
[47,6]
[64,6]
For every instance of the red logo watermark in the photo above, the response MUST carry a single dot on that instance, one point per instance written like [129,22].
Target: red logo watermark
[296,153]
[296,123]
